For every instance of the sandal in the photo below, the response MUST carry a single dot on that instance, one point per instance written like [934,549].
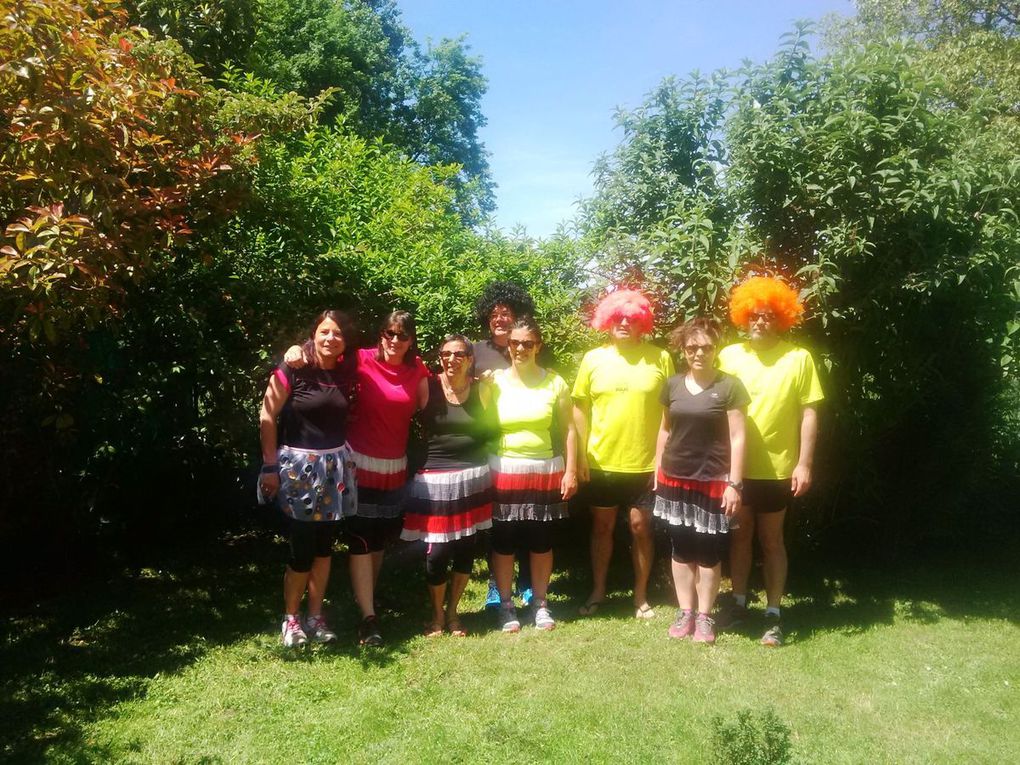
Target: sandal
[456,629]
[590,608]
[644,612]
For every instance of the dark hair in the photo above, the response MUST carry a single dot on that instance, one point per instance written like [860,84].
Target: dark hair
[528,323]
[700,325]
[502,293]
[456,338]
[349,360]
[405,321]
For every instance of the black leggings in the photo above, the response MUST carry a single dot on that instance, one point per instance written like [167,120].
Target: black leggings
[369,535]
[439,555]
[690,546]
[309,540]
[509,537]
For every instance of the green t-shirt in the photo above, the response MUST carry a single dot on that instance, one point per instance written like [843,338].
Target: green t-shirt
[622,390]
[781,381]
[525,414]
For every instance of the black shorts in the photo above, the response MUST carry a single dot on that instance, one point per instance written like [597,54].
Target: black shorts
[692,546]
[369,535]
[623,490]
[765,495]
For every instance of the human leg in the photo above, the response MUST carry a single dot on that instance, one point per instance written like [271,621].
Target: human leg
[642,555]
[774,560]
[603,521]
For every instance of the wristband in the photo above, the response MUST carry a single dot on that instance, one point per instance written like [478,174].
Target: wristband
[266,469]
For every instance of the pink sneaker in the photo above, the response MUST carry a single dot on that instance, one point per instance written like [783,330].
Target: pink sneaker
[683,626]
[704,629]
[292,633]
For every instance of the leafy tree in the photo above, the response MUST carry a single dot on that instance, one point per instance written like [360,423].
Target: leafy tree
[106,155]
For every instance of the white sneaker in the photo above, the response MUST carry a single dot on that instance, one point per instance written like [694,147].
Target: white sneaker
[318,631]
[508,621]
[543,617]
[292,633]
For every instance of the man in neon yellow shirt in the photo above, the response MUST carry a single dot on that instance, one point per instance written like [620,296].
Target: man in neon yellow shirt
[782,426]
[617,414]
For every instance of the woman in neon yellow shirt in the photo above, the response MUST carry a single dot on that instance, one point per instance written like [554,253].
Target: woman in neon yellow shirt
[532,484]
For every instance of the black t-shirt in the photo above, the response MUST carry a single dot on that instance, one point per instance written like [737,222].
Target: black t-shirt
[488,356]
[315,413]
[699,438]
[458,434]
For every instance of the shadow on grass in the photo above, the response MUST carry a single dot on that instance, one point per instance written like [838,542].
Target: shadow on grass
[67,661]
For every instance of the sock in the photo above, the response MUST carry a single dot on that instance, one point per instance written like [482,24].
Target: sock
[740,600]
[772,611]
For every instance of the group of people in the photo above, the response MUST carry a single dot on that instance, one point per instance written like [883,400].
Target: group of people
[714,453]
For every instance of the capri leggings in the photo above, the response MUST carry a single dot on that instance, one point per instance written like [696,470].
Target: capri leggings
[309,540]
[369,535]
[439,555]
[691,546]
[509,537]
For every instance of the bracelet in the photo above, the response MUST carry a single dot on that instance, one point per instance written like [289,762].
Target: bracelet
[269,468]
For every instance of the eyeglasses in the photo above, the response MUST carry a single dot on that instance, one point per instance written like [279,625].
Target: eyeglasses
[694,348]
[393,335]
[453,354]
[766,316]
[525,344]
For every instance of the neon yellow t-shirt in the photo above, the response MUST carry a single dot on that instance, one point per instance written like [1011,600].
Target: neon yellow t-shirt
[525,414]
[781,381]
[623,392]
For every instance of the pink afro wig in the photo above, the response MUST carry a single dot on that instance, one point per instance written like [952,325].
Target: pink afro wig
[765,292]
[623,303]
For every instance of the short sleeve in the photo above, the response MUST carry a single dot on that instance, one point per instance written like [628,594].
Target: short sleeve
[738,397]
[667,365]
[420,369]
[285,375]
[810,386]
[664,391]
[559,387]
[582,385]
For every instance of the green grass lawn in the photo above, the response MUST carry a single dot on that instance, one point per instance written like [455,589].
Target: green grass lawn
[184,665]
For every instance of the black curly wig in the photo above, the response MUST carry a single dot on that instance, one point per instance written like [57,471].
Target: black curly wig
[502,293]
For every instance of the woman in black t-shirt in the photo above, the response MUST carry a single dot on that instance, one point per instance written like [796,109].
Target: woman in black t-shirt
[451,496]
[699,460]
[307,467]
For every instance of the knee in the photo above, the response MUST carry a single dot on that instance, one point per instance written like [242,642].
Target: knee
[641,525]
[602,524]
[772,544]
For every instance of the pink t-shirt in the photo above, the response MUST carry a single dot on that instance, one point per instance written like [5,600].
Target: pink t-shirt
[387,399]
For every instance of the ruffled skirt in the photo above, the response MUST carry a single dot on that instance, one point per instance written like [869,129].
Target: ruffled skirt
[527,489]
[382,486]
[445,505]
[686,502]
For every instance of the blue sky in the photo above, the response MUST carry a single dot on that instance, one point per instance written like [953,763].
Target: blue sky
[558,69]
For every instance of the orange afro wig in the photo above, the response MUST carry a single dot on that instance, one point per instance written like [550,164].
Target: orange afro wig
[623,303]
[765,291]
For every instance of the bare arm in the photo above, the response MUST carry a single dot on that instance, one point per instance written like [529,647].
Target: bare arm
[581,410]
[272,403]
[801,481]
[569,485]
[660,445]
[731,497]
[295,357]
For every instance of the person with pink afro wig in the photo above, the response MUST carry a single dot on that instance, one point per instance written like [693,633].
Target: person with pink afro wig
[782,426]
[623,303]
[617,412]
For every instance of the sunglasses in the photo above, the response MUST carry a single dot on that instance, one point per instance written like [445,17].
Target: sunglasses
[453,354]
[694,348]
[525,344]
[766,317]
[392,335]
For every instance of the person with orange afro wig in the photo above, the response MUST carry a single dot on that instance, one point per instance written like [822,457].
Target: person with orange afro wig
[617,413]
[761,291]
[782,426]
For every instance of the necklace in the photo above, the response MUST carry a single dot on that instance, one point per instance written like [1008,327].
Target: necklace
[453,394]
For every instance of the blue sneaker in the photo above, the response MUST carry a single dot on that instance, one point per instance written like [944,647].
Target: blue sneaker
[492,600]
[526,596]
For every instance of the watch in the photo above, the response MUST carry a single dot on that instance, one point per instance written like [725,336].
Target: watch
[738,485]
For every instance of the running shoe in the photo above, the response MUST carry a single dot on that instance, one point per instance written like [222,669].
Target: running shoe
[773,637]
[683,626]
[291,632]
[731,616]
[704,629]
[508,621]
[527,595]
[318,631]
[543,617]
[492,600]
[368,631]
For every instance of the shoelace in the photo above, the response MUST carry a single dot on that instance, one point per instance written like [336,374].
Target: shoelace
[293,625]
